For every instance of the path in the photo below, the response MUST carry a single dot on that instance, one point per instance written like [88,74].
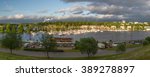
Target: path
[61,54]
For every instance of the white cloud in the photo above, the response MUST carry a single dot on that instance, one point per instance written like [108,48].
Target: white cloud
[134,10]
[17,16]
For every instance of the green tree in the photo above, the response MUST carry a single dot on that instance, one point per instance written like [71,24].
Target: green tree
[49,43]
[1,29]
[8,28]
[145,43]
[20,29]
[11,41]
[28,30]
[13,29]
[148,39]
[121,48]
[87,46]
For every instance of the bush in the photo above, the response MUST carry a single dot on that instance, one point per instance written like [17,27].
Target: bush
[145,42]
[76,44]
[148,39]
[121,48]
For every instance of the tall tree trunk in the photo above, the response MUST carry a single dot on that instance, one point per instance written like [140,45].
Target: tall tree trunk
[88,54]
[47,54]
[11,51]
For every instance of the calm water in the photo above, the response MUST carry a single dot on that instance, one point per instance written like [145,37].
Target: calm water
[100,36]
[115,36]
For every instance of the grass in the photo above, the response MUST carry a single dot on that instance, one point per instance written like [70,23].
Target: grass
[8,56]
[142,53]
[127,46]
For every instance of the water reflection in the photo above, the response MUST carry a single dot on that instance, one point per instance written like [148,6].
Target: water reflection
[100,36]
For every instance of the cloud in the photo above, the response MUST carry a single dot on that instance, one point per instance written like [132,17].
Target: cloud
[78,12]
[114,2]
[74,17]
[20,18]
[133,10]
[72,9]
[92,10]
[17,16]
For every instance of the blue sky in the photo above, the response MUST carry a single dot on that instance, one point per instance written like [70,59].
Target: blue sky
[20,11]
[29,7]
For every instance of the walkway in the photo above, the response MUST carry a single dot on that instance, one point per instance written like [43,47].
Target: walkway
[61,54]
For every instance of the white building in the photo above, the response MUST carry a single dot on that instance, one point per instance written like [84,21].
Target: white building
[147,28]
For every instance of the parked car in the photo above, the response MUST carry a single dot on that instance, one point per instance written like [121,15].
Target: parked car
[101,45]
[115,44]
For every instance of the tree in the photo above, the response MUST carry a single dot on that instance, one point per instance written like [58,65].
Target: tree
[148,39]
[28,30]
[49,43]
[13,29]
[121,48]
[11,41]
[1,29]
[145,43]
[20,29]
[87,46]
[8,28]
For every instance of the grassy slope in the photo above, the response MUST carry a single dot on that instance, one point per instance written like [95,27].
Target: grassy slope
[128,46]
[8,56]
[140,54]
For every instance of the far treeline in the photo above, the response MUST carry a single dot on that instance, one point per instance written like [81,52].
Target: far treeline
[64,26]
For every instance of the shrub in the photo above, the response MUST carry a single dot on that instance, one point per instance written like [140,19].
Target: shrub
[145,42]
[148,39]
[121,48]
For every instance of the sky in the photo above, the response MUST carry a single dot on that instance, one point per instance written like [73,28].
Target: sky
[24,11]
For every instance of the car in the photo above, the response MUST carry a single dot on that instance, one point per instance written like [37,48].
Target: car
[115,44]
[101,45]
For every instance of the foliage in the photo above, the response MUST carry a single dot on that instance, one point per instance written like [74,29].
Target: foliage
[49,43]
[1,28]
[20,29]
[87,46]
[121,48]
[13,28]
[148,39]
[77,44]
[11,41]
[145,42]
[64,26]
[8,28]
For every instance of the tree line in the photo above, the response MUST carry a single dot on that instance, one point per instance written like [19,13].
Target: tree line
[64,26]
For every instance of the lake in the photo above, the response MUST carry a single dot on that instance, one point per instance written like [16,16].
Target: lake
[100,36]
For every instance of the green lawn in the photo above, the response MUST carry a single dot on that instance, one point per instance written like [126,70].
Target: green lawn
[142,53]
[8,56]
[127,46]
